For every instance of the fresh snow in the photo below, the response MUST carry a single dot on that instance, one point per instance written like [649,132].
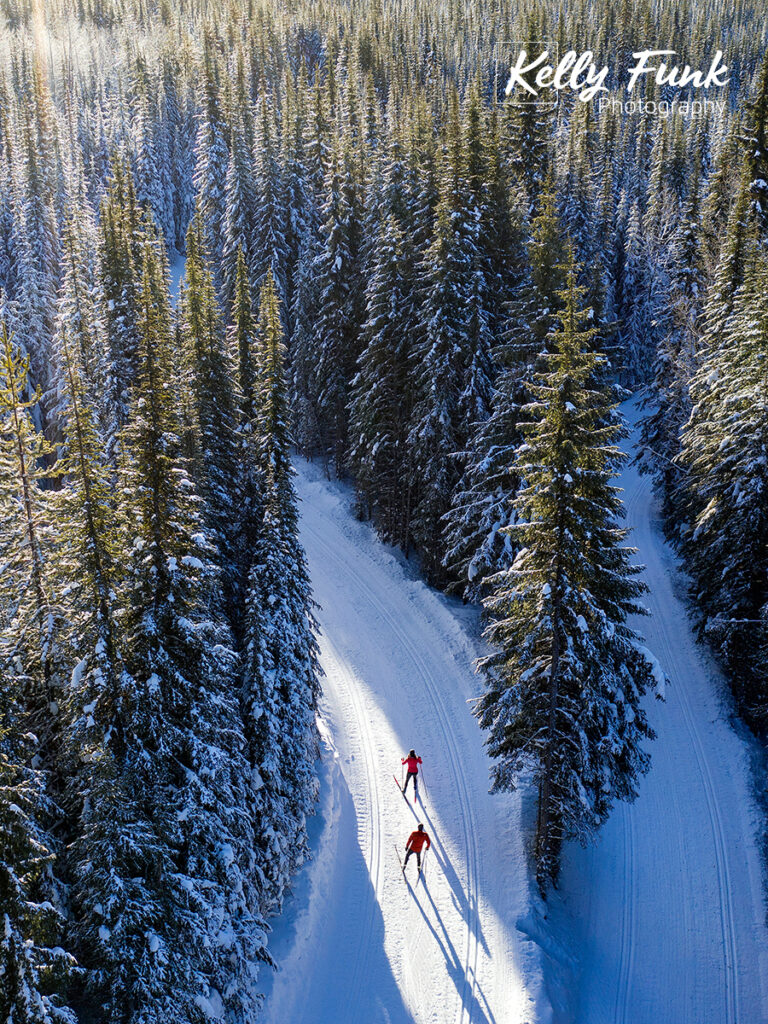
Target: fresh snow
[355,944]
[176,268]
[661,920]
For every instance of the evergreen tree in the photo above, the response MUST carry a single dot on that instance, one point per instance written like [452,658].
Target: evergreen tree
[212,160]
[33,966]
[179,921]
[453,387]
[676,363]
[723,449]
[119,252]
[270,249]
[31,638]
[211,375]
[755,148]
[280,687]
[567,675]
[38,262]
[336,329]
[380,393]
[238,222]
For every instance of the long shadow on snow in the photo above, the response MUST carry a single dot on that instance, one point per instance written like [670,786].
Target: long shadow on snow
[460,899]
[348,979]
[458,975]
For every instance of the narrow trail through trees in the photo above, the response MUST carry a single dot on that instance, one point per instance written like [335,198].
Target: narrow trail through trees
[664,913]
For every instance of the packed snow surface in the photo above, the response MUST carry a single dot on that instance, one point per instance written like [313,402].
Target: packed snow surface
[660,921]
[357,945]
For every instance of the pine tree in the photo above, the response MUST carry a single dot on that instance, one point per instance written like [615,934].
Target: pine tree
[676,363]
[78,316]
[337,327]
[636,308]
[245,529]
[280,686]
[476,543]
[38,266]
[567,675]
[270,249]
[453,385]
[527,132]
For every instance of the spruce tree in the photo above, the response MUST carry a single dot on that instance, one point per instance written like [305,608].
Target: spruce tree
[335,333]
[119,253]
[171,903]
[755,149]
[567,674]
[453,380]
[280,683]
[723,451]
[270,221]
[211,162]
[34,967]
[238,220]
[381,393]
[211,375]
[676,362]
[32,638]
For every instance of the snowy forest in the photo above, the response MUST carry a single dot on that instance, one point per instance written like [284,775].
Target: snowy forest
[230,231]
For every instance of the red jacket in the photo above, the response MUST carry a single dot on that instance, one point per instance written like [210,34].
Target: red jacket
[413,764]
[416,841]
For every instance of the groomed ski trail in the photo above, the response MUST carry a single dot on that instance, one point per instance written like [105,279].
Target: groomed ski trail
[666,910]
[359,946]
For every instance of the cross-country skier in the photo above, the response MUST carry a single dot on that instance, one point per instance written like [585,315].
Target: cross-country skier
[416,842]
[413,763]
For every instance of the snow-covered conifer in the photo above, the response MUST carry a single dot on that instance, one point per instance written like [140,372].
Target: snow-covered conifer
[567,675]
[280,679]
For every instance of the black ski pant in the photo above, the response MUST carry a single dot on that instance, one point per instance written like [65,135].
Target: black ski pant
[415,777]
[418,858]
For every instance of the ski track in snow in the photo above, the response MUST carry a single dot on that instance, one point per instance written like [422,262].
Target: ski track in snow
[659,921]
[665,909]
[355,943]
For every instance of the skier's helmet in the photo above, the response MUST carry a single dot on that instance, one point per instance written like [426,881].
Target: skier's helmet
[412,754]
[421,827]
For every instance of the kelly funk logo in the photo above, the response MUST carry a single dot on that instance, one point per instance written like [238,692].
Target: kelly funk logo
[539,79]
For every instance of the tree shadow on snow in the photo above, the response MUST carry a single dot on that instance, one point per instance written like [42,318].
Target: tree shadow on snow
[343,973]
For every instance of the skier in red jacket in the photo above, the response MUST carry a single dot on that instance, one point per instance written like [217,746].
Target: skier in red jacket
[416,842]
[413,763]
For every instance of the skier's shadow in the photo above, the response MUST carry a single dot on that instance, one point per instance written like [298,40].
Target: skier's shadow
[461,978]
[460,899]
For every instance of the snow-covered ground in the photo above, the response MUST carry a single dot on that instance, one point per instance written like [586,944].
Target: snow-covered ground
[661,921]
[356,945]
[665,911]
[177,272]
